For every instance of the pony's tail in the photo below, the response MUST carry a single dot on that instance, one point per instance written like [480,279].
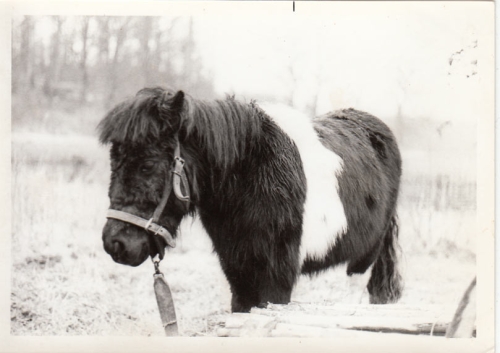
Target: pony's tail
[386,284]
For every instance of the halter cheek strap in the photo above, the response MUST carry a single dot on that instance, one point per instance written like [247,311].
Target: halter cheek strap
[180,175]
[179,183]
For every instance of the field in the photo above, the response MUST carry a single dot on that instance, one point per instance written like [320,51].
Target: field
[64,283]
[432,85]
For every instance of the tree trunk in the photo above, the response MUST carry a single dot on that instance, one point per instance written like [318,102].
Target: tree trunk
[120,34]
[83,59]
[166,54]
[103,44]
[145,30]
[188,51]
[24,78]
[53,67]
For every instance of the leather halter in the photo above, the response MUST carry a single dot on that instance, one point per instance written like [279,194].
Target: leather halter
[151,225]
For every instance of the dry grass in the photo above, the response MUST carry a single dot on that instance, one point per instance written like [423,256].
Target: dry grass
[65,284]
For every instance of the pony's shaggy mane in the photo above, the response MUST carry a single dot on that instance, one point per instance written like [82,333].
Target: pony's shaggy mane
[226,129]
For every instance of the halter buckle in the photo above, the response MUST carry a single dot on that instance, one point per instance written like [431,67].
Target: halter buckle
[158,229]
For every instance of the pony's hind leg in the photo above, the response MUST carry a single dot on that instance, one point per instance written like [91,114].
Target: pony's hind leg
[386,285]
[358,276]
[356,283]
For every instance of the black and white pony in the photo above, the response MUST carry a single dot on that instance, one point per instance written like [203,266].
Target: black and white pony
[278,193]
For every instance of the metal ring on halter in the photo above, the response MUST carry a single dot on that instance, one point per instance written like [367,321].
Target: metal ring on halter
[155,258]
[180,159]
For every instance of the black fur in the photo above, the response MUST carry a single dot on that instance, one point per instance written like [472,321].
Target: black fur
[368,188]
[249,188]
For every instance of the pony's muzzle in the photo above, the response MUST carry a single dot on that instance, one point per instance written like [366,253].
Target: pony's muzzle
[125,244]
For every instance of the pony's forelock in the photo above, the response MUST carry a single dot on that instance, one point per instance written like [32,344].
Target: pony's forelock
[136,120]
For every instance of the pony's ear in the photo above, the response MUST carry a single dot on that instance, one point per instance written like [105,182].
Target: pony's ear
[177,102]
[148,115]
[170,109]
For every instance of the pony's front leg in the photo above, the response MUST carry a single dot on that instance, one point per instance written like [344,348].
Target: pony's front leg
[256,282]
[242,303]
[245,298]
[275,295]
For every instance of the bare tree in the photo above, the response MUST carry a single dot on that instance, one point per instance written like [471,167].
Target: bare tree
[165,52]
[23,57]
[120,34]
[192,76]
[103,25]
[188,55]
[53,69]
[131,52]
[145,33]
[83,58]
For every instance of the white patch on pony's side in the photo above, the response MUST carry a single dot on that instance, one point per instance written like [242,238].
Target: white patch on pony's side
[324,217]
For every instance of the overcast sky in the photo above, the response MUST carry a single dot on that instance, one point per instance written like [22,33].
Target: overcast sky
[383,57]
[375,57]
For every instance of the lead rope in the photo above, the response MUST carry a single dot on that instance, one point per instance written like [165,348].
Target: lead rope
[165,302]
[162,290]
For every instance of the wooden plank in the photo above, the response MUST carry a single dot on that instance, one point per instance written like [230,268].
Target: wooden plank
[372,323]
[359,310]
[302,331]
[294,330]
[239,320]
[429,329]
[350,313]
[313,320]
[242,332]
[464,319]
[265,323]
[371,307]
[247,325]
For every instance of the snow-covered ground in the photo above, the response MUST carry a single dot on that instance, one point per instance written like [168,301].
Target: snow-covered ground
[64,283]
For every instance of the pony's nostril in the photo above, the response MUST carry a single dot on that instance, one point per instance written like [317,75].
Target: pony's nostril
[117,247]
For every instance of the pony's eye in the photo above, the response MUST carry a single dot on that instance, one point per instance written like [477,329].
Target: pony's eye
[148,167]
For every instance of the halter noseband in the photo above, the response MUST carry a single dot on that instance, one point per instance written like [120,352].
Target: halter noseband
[151,225]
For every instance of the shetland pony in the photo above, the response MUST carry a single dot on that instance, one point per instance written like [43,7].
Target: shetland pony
[278,193]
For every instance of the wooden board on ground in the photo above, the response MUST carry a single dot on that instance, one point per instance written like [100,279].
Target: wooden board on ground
[337,320]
